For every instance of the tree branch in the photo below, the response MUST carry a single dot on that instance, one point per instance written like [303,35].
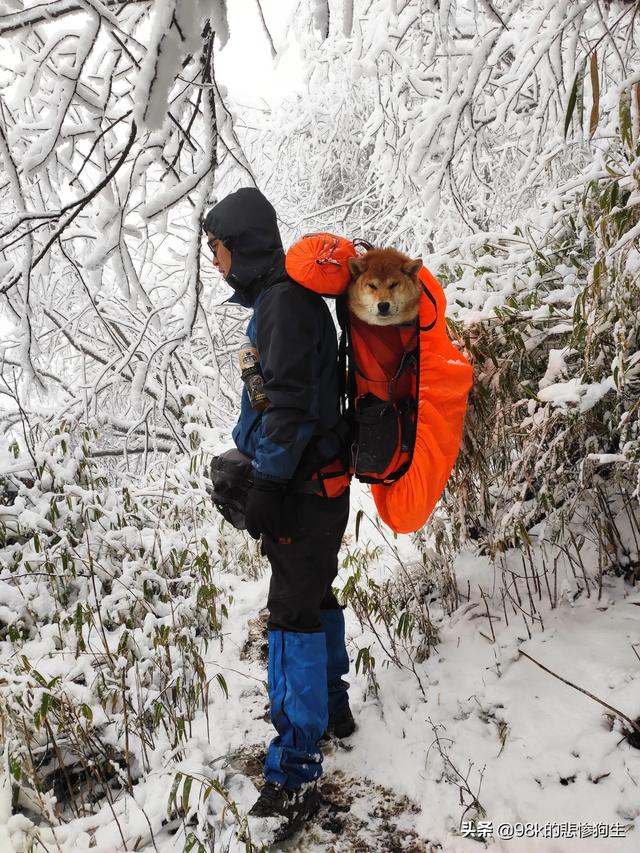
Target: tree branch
[45,12]
[613,710]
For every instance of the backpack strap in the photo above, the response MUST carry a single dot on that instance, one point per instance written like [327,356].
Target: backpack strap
[432,300]
[360,243]
[346,378]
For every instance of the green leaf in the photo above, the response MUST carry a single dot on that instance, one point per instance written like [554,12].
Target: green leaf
[39,678]
[529,392]
[580,100]
[573,95]
[44,706]
[186,791]
[172,794]
[598,272]
[595,94]
[359,515]
[16,770]
[223,684]
[624,109]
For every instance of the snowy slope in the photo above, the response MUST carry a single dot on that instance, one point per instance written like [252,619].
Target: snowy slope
[528,747]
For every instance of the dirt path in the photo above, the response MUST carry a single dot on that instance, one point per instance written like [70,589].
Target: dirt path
[356,816]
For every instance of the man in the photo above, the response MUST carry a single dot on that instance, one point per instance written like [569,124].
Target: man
[301,528]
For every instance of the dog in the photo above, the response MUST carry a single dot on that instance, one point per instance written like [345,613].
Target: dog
[385,289]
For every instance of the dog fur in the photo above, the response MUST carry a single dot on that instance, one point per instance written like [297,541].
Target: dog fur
[385,288]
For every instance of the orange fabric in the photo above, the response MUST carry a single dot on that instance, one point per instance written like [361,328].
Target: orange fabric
[319,262]
[445,381]
[333,479]
[377,352]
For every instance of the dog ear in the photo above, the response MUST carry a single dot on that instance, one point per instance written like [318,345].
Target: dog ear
[356,266]
[413,267]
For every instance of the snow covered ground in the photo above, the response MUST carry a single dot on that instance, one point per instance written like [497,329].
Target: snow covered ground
[401,107]
[523,747]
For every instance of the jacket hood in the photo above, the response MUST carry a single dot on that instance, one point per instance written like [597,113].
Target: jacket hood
[246,223]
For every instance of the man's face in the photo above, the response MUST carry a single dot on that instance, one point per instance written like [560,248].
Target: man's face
[221,255]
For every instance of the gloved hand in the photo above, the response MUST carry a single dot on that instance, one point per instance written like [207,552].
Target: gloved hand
[266,511]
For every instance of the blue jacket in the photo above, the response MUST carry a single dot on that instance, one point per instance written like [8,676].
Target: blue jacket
[294,334]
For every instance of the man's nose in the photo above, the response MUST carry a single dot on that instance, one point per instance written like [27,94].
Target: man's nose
[383,307]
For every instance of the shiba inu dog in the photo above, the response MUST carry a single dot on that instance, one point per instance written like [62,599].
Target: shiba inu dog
[385,289]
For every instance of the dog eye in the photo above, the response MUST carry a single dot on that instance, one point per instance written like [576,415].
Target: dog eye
[391,286]
[372,286]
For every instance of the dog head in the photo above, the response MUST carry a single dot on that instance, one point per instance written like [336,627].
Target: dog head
[385,289]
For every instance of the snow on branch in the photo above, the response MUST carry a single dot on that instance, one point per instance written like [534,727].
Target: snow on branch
[452,115]
[109,152]
[26,19]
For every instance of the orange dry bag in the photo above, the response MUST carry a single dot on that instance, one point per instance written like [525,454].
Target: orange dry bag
[444,381]
[407,388]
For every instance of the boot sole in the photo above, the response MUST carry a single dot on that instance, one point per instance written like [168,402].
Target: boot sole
[290,829]
[340,734]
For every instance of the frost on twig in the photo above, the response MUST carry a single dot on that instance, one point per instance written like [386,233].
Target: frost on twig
[109,143]
[176,34]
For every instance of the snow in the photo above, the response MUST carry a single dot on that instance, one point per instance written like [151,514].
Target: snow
[176,32]
[437,129]
[607,458]
[573,391]
[556,367]
[500,720]
[6,844]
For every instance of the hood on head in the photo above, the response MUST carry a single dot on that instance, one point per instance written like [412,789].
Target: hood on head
[246,223]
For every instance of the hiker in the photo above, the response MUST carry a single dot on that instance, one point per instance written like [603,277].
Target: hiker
[298,501]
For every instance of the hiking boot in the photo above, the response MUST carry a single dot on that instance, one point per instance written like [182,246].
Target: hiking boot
[341,722]
[280,812]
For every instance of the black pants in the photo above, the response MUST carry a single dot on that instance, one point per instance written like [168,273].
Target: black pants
[303,570]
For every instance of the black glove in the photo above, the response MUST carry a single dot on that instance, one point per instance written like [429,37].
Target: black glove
[267,509]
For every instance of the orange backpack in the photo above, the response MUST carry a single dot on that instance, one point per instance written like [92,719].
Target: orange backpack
[407,388]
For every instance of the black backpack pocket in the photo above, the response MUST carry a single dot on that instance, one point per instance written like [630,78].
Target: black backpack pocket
[377,435]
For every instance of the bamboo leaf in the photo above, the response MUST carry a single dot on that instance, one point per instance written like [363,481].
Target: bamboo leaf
[598,271]
[529,392]
[624,110]
[223,684]
[359,515]
[572,101]
[580,99]
[595,92]
[186,792]
[41,681]
[172,794]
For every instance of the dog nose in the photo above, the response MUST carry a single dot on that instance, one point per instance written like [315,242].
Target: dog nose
[383,307]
